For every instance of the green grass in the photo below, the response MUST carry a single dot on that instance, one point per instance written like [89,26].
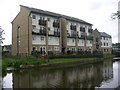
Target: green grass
[17,61]
[69,59]
[108,55]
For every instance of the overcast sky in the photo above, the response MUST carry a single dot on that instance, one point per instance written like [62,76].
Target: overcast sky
[97,12]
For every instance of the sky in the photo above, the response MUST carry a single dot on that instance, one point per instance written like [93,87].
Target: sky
[96,12]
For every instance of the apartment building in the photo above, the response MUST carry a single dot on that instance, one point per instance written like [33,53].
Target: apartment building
[35,29]
[106,42]
[43,31]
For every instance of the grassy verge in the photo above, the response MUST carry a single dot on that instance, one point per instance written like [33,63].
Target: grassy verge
[69,59]
[108,55]
[17,61]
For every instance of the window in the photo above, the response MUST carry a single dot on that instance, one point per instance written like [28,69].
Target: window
[41,28]
[42,38]
[107,50]
[56,29]
[33,38]
[104,43]
[33,48]
[104,50]
[55,20]
[48,28]
[107,44]
[42,18]
[33,26]
[82,41]
[73,40]
[90,41]
[48,19]
[33,16]
[103,38]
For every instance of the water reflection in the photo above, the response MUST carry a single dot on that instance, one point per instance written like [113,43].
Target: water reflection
[85,76]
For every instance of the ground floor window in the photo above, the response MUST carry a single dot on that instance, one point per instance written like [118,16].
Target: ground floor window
[33,48]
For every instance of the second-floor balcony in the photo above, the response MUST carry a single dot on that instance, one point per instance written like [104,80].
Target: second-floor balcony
[42,22]
[71,36]
[89,37]
[56,33]
[42,32]
[82,37]
[82,29]
[90,30]
[73,27]
[56,24]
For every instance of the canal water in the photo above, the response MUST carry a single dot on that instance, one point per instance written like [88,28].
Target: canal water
[104,74]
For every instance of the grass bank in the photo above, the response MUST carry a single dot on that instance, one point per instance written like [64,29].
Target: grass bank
[17,61]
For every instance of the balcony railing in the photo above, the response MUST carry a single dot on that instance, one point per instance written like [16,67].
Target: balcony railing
[90,30]
[56,24]
[71,36]
[82,37]
[82,29]
[72,27]
[42,22]
[56,33]
[42,32]
[90,37]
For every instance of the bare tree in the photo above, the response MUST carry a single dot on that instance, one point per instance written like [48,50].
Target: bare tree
[115,15]
[1,36]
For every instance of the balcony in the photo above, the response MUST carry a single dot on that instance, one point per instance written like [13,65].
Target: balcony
[71,36]
[56,33]
[42,22]
[90,37]
[42,32]
[82,37]
[90,30]
[56,24]
[72,27]
[82,29]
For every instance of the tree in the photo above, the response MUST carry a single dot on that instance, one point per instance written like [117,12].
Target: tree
[1,36]
[116,15]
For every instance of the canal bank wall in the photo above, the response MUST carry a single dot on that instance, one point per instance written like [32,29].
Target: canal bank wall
[64,63]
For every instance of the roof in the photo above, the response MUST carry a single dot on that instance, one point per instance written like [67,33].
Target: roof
[34,10]
[7,47]
[103,34]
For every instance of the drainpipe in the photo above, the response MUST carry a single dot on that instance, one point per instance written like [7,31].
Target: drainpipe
[28,34]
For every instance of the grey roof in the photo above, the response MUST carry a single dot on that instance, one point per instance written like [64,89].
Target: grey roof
[7,47]
[34,10]
[103,34]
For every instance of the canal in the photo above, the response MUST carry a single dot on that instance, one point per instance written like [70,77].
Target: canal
[104,74]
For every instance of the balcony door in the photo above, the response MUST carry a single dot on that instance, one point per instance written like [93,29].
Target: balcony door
[42,49]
